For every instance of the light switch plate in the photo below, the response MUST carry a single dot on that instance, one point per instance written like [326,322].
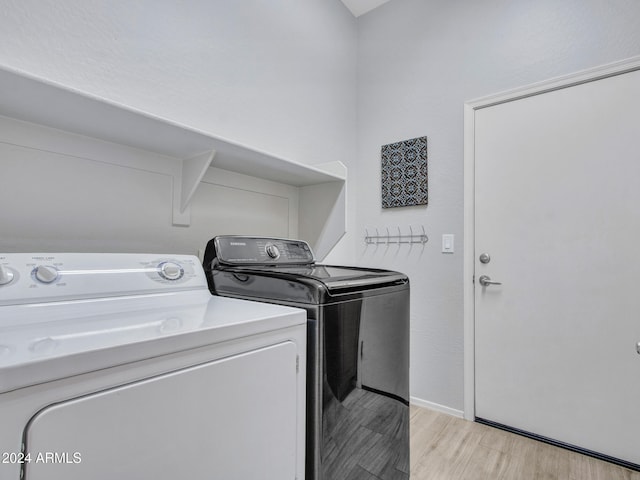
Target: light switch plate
[448,243]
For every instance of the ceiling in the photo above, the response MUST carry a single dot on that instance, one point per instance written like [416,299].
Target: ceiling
[360,7]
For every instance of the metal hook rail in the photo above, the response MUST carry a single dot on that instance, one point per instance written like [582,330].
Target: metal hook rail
[400,238]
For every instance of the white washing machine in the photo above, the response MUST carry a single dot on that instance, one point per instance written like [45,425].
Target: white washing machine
[124,366]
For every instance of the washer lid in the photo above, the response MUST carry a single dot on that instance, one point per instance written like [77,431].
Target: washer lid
[282,281]
[337,277]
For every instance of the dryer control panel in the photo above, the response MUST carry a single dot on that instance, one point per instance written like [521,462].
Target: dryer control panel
[51,277]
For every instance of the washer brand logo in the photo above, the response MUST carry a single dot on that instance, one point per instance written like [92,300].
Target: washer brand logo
[242,244]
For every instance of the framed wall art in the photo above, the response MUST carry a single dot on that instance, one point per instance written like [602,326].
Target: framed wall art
[404,173]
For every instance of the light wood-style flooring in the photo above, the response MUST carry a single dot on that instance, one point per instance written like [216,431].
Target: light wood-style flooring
[449,448]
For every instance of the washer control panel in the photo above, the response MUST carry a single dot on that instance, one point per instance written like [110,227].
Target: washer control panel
[272,251]
[237,250]
[30,278]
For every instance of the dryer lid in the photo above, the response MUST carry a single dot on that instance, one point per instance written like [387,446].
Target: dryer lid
[96,311]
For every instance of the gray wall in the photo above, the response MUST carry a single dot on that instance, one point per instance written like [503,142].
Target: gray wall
[418,62]
[277,75]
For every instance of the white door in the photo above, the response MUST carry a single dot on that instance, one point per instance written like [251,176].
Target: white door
[557,209]
[229,419]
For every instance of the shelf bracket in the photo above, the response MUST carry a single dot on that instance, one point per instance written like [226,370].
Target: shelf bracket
[322,220]
[185,184]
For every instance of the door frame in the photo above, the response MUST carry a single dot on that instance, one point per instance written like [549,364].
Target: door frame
[470,107]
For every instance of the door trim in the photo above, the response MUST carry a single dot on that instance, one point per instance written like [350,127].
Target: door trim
[584,76]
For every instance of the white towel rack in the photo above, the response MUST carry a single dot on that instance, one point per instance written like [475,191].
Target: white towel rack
[394,238]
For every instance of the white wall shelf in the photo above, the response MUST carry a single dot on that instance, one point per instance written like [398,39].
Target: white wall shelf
[322,187]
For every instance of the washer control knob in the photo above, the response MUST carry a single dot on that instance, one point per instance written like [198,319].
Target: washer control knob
[171,271]
[272,251]
[46,274]
[6,275]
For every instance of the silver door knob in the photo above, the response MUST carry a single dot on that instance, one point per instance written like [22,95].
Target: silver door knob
[485,258]
[638,348]
[485,281]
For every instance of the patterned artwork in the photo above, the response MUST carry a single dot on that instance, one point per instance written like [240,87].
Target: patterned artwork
[404,173]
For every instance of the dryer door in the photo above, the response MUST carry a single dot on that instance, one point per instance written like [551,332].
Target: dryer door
[231,418]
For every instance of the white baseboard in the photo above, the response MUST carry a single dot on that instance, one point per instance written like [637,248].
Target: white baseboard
[437,407]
